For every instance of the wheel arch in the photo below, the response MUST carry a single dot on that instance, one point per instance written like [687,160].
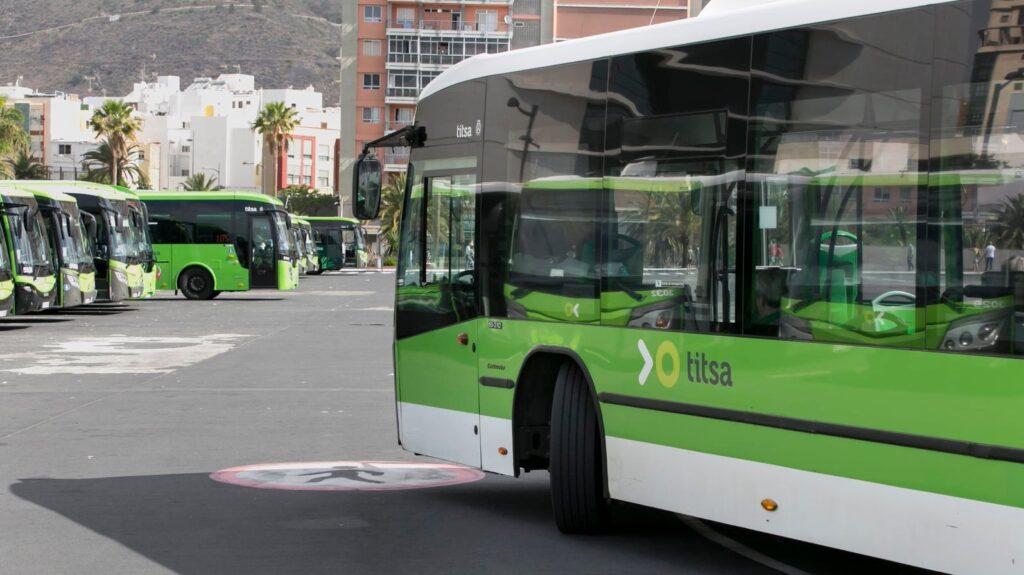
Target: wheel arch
[534,393]
[191,265]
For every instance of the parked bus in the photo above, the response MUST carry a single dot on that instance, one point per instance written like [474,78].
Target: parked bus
[723,267]
[206,243]
[69,251]
[117,254]
[27,260]
[301,261]
[6,271]
[309,244]
[137,222]
[342,243]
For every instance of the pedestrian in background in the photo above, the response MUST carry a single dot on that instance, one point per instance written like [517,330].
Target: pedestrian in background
[990,256]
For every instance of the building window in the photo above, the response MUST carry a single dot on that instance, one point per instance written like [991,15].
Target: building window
[186,149]
[881,195]
[371,115]
[371,81]
[63,149]
[371,13]
[371,47]
[142,156]
[906,194]
[403,115]
[405,18]
[487,20]
[184,172]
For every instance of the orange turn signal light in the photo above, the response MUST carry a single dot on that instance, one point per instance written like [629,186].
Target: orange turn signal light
[769,504]
[502,451]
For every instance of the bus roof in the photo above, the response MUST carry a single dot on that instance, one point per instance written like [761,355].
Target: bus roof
[331,219]
[209,196]
[9,190]
[74,187]
[56,195]
[732,19]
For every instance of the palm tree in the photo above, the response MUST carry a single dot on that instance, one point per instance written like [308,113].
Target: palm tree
[391,210]
[275,122]
[114,122]
[200,182]
[25,167]
[98,164]
[12,136]
[1009,227]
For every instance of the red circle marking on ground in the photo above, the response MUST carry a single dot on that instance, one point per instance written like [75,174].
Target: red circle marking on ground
[347,475]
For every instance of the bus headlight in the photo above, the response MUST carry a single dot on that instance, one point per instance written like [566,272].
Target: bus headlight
[72,281]
[974,334]
[120,276]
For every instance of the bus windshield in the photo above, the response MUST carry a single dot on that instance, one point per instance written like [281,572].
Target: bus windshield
[30,246]
[286,245]
[140,231]
[119,236]
[71,224]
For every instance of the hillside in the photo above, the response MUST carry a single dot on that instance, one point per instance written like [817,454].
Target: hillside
[61,44]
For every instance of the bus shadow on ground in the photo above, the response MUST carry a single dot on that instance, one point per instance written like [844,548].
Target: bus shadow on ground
[191,524]
[12,326]
[96,311]
[215,300]
[42,320]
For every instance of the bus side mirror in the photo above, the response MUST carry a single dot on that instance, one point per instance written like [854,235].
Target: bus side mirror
[366,188]
[695,201]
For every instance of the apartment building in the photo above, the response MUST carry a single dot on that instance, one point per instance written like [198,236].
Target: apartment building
[396,47]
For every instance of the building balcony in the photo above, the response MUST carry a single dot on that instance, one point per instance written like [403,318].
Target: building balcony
[1002,36]
[456,2]
[394,159]
[392,125]
[438,62]
[401,95]
[448,27]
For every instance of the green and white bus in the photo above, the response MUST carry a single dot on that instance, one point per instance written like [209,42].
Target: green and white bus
[116,252]
[137,223]
[764,266]
[308,239]
[341,243]
[69,249]
[206,243]
[27,266]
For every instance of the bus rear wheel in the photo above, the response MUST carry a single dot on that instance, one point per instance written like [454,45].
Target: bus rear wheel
[197,283]
[577,474]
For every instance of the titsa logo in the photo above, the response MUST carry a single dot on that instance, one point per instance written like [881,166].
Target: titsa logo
[667,365]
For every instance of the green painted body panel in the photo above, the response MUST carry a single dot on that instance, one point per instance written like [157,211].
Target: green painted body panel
[287,275]
[220,260]
[6,297]
[944,395]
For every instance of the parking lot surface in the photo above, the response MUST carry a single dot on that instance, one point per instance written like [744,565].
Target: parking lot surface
[114,417]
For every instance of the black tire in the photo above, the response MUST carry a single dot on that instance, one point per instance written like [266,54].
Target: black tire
[577,469]
[316,272]
[196,283]
[215,294]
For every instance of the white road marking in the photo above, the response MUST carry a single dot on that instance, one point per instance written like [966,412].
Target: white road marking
[382,308]
[121,354]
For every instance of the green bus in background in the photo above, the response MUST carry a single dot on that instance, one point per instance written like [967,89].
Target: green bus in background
[302,259]
[341,243]
[116,253]
[6,272]
[137,223]
[309,244]
[206,243]
[29,269]
[69,249]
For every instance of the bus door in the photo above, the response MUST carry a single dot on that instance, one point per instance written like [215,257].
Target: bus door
[436,331]
[262,253]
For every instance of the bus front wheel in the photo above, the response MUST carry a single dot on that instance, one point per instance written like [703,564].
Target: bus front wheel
[577,474]
[197,283]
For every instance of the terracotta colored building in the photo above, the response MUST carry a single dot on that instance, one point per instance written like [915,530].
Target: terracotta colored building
[391,49]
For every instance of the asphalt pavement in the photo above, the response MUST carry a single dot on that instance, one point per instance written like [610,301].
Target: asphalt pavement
[114,417]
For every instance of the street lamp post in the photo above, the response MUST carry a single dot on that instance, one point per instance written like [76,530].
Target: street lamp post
[527,138]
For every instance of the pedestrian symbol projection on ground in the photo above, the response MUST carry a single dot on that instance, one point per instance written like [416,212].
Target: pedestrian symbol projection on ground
[119,354]
[347,475]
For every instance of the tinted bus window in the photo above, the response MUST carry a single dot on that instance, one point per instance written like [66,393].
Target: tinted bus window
[837,178]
